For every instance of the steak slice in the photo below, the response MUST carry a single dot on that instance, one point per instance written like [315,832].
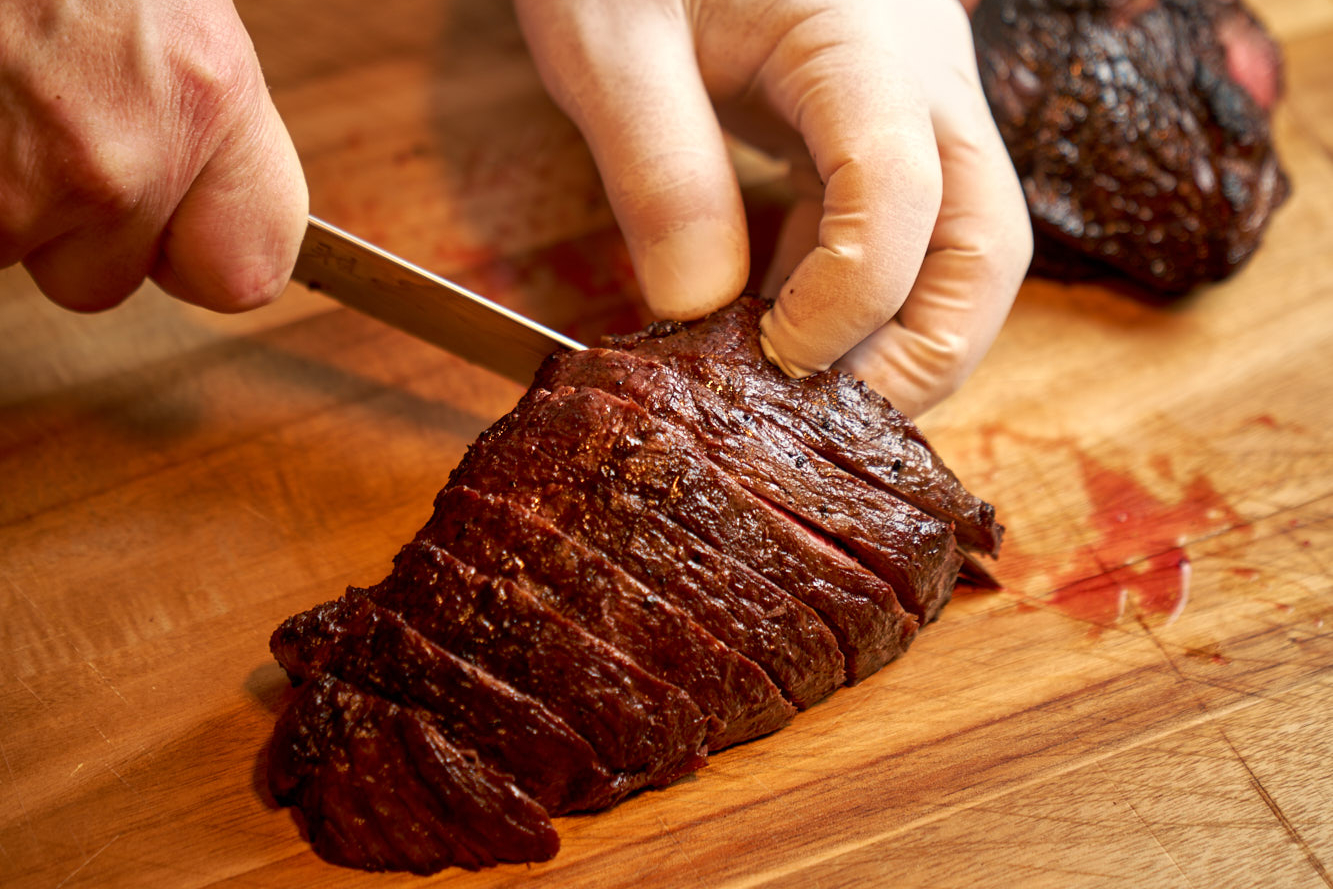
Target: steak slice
[833,414]
[381,788]
[558,457]
[644,729]
[373,650]
[664,470]
[502,539]
[912,552]
[1139,130]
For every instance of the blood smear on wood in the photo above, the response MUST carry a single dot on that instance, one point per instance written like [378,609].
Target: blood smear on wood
[1137,558]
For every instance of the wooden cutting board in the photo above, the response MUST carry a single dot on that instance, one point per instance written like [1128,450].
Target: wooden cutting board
[1148,702]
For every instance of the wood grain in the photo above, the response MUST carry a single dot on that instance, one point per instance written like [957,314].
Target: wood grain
[1146,703]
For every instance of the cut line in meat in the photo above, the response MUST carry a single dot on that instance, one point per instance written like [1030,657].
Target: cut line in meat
[377,653]
[583,460]
[502,538]
[380,789]
[646,730]
[832,414]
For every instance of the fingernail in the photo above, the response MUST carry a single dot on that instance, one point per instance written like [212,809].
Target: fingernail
[772,337]
[694,270]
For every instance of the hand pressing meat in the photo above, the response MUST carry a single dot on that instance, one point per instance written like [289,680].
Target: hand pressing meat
[1140,129]
[666,548]
[909,237]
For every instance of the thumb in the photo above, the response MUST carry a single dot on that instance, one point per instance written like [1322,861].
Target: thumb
[626,73]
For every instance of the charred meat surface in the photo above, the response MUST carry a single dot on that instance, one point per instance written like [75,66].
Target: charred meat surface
[667,547]
[1140,131]
[380,788]
[773,465]
[505,539]
[376,652]
[645,729]
[603,471]
[834,415]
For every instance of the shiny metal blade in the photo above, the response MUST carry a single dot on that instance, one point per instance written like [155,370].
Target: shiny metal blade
[379,284]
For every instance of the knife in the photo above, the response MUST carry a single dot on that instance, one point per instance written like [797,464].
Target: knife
[377,283]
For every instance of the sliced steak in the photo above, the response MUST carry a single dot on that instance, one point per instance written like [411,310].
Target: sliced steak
[913,553]
[645,729]
[373,650]
[682,547]
[381,788]
[665,470]
[503,539]
[556,456]
[833,414]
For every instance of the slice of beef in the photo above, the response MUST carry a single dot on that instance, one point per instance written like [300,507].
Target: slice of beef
[877,527]
[373,650]
[503,539]
[1139,129]
[647,730]
[832,414]
[665,469]
[560,458]
[380,788]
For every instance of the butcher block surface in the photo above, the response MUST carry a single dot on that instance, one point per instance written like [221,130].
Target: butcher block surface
[1147,702]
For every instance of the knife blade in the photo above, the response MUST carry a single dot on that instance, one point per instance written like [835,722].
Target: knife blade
[375,282]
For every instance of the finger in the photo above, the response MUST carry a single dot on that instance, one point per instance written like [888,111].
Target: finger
[94,238]
[626,74]
[978,254]
[232,241]
[867,127]
[800,227]
[95,267]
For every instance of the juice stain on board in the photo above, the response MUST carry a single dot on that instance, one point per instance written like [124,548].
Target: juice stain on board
[1137,558]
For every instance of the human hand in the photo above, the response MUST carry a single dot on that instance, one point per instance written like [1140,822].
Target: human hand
[137,139]
[909,237]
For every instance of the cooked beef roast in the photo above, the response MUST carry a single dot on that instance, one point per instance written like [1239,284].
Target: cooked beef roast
[1140,131]
[840,418]
[667,547]
[381,788]
[503,538]
[374,650]
[602,469]
[645,730]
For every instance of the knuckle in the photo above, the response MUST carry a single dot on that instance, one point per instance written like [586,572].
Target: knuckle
[217,83]
[1013,252]
[109,180]
[1001,246]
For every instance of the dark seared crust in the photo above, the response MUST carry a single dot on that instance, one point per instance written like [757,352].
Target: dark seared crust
[574,461]
[380,788]
[879,528]
[373,650]
[1139,151]
[647,731]
[503,539]
[860,608]
[832,414]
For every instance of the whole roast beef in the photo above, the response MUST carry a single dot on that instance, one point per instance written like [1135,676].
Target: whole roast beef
[666,548]
[1140,131]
